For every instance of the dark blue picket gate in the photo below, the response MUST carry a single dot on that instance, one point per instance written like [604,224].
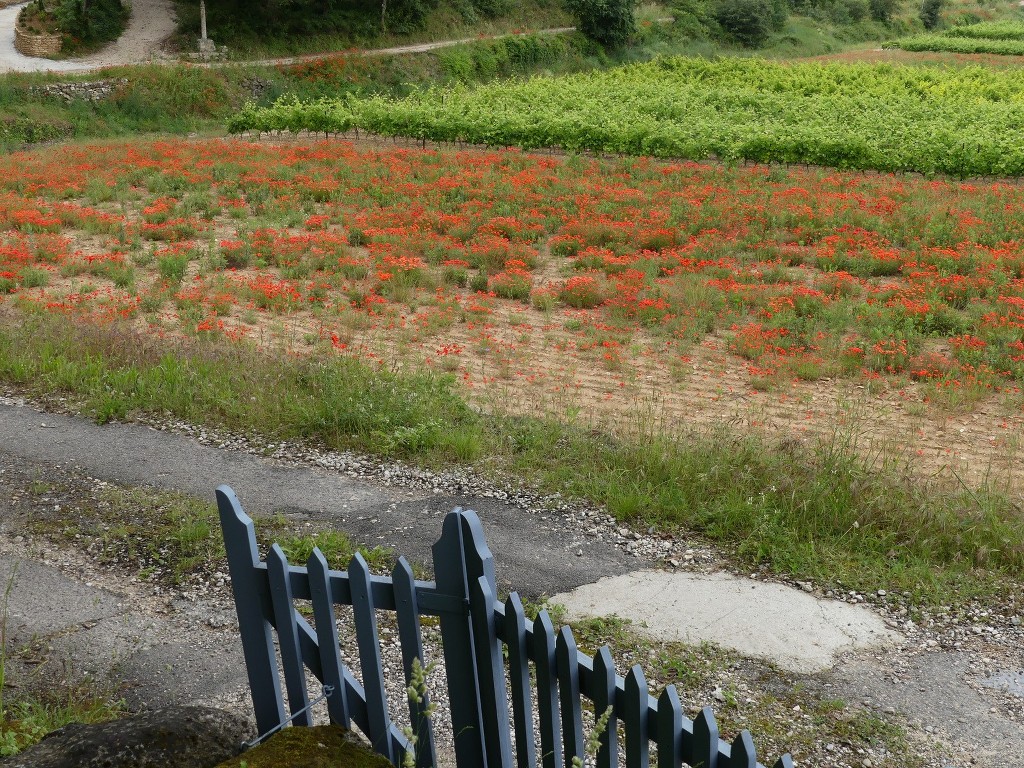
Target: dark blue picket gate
[481,681]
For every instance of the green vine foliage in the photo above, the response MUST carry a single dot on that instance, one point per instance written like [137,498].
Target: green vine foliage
[961,121]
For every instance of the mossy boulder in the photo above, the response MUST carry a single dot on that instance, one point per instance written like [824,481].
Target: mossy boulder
[323,746]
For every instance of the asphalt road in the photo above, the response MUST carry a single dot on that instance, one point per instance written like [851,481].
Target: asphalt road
[535,554]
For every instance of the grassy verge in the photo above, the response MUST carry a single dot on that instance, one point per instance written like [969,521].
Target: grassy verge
[813,513]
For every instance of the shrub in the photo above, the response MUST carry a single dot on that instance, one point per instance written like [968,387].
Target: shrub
[750,22]
[583,292]
[931,13]
[883,10]
[608,22]
[856,10]
[93,22]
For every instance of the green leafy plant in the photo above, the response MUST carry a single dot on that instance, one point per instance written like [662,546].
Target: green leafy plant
[417,692]
[608,22]
[931,13]
[750,22]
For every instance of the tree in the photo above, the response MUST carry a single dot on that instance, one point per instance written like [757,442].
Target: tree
[882,10]
[750,22]
[608,22]
[931,13]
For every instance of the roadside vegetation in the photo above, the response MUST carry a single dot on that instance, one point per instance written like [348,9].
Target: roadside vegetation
[817,513]
[82,26]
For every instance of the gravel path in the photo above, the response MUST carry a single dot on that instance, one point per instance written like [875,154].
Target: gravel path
[151,22]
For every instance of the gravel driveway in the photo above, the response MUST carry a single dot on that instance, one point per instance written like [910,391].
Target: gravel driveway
[151,22]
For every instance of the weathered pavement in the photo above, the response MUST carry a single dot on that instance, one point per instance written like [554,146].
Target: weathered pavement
[536,554]
[63,608]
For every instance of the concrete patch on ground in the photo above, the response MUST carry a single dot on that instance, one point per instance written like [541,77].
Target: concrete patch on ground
[58,627]
[1011,682]
[790,628]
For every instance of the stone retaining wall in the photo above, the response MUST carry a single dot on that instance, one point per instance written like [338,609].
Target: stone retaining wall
[94,90]
[43,46]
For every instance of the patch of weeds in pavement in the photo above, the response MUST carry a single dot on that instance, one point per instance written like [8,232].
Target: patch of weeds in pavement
[163,536]
[336,546]
[171,535]
[818,513]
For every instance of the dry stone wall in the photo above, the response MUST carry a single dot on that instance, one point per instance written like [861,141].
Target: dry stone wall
[44,46]
[93,90]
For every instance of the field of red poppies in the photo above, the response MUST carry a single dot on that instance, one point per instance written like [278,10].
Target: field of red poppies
[803,301]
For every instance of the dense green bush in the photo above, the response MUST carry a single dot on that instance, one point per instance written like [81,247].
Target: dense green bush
[750,22]
[883,10]
[492,8]
[931,13]
[608,22]
[90,22]
[855,10]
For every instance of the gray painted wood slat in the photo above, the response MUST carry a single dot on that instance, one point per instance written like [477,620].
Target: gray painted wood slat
[411,641]
[369,658]
[519,681]
[638,749]
[566,661]
[742,753]
[547,692]
[490,673]
[457,644]
[327,637]
[705,740]
[288,636]
[603,696]
[670,729]
[253,607]
[476,625]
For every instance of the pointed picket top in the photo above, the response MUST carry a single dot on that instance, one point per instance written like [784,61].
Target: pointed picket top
[670,729]
[705,740]
[236,524]
[479,560]
[638,750]
[519,681]
[358,565]
[567,662]
[742,754]
[288,635]
[786,761]
[549,716]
